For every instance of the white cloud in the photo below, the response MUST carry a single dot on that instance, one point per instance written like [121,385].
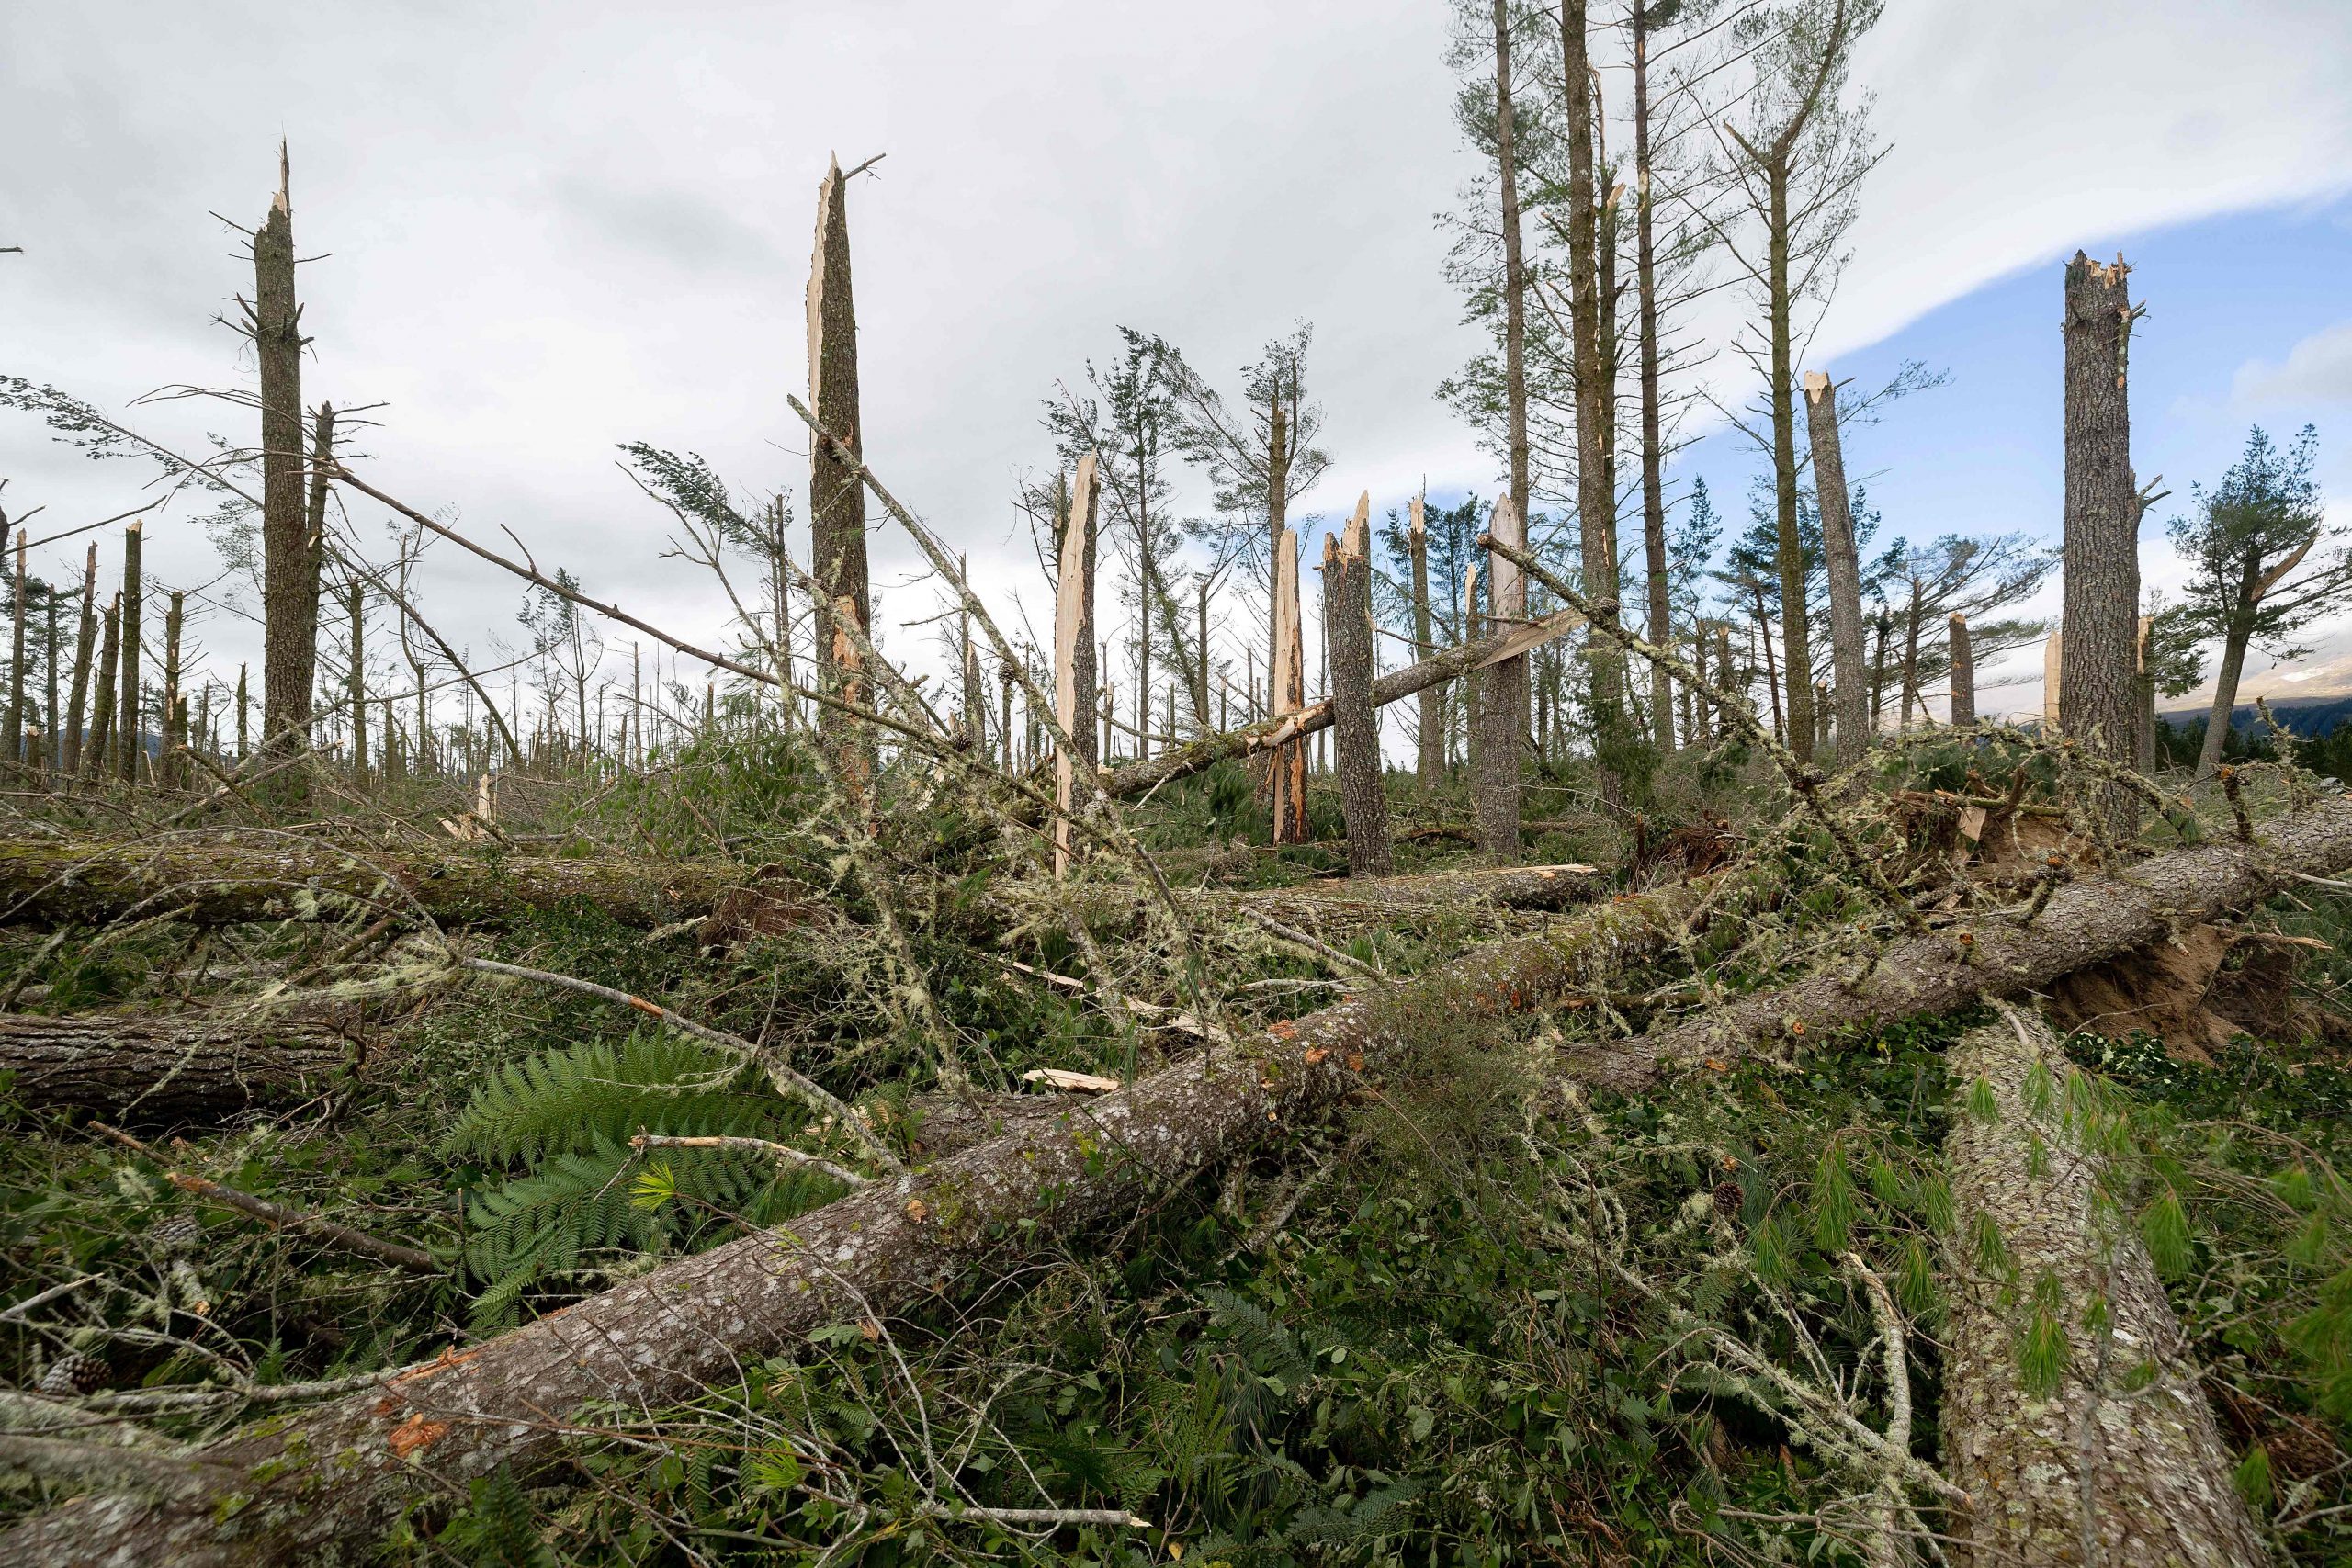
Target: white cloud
[555,227]
[2316,370]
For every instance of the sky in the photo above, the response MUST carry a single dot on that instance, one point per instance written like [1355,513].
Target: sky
[543,229]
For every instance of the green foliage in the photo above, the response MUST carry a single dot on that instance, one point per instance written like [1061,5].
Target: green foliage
[497,1528]
[567,1116]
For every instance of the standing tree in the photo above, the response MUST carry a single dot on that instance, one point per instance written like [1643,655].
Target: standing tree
[1845,569]
[1795,157]
[2257,571]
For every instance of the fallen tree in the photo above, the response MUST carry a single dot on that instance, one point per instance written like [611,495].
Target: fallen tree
[169,1067]
[2110,1454]
[215,880]
[344,1472]
[1998,954]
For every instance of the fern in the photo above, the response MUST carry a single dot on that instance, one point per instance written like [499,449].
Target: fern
[567,1116]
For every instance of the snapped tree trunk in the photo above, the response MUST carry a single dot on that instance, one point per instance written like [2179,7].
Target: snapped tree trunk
[1288,687]
[1963,673]
[169,1067]
[1661,632]
[1844,567]
[1502,700]
[2112,1456]
[2097,704]
[289,561]
[836,497]
[1430,743]
[355,681]
[16,737]
[129,743]
[175,705]
[1796,628]
[1073,637]
[1347,594]
[94,754]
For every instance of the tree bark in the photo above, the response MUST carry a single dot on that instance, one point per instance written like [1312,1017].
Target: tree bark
[1653,439]
[1430,743]
[175,711]
[836,496]
[1845,570]
[289,560]
[153,1068]
[2223,715]
[1796,627]
[2084,923]
[1286,689]
[48,883]
[16,736]
[2096,702]
[342,1471]
[131,743]
[1963,673]
[1073,640]
[94,754]
[1502,700]
[1347,593]
[2105,1467]
[355,681]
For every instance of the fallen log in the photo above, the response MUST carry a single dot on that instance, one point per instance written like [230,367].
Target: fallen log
[1997,955]
[339,1474]
[1183,762]
[155,1067]
[2111,1456]
[216,881]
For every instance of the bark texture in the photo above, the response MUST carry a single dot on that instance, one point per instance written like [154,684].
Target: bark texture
[292,1489]
[1661,632]
[2097,704]
[289,565]
[1502,700]
[131,741]
[219,882]
[836,497]
[1430,749]
[2097,1470]
[1942,971]
[168,1068]
[86,642]
[1287,689]
[1844,567]
[1963,673]
[1347,592]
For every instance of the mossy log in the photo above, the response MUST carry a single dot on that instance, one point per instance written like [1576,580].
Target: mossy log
[2111,1455]
[156,1067]
[222,881]
[339,1474]
[1996,954]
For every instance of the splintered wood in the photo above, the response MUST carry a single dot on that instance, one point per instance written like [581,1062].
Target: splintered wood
[1069,635]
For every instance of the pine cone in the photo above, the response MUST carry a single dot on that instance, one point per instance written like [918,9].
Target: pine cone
[180,1233]
[1728,1198]
[73,1372]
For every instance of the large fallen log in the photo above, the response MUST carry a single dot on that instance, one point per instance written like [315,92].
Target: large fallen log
[222,881]
[340,1473]
[1182,762]
[2112,1455]
[154,1067]
[1998,954]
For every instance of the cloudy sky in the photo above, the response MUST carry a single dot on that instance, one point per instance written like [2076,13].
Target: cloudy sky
[543,229]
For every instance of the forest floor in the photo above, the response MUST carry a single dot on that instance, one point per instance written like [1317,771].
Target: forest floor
[1468,1310]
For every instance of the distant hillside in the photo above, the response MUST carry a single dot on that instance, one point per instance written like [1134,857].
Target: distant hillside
[2308,717]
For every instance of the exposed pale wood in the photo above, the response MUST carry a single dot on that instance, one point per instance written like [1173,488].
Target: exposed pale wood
[1072,592]
[1503,699]
[1347,592]
[1287,690]
[2053,657]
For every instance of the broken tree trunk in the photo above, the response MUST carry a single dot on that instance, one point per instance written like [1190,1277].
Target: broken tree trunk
[168,1068]
[86,642]
[836,498]
[1430,742]
[1502,700]
[2097,707]
[287,1490]
[93,753]
[1844,568]
[1996,955]
[289,581]
[2098,1461]
[1347,593]
[129,743]
[1193,756]
[50,883]
[1963,673]
[1286,689]
[1073,658]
